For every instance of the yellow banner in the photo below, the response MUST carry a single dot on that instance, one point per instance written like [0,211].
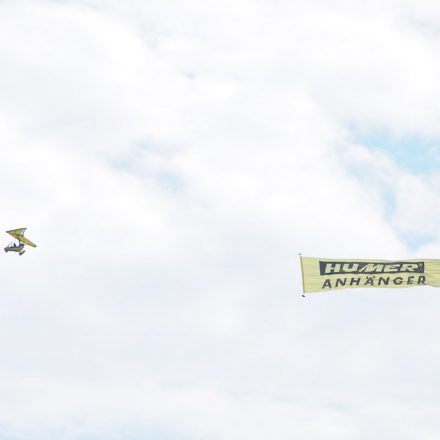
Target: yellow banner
[322,274]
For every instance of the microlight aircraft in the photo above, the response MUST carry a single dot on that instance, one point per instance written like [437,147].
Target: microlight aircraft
[18,234]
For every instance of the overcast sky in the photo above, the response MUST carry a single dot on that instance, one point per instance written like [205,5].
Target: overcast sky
[171,159]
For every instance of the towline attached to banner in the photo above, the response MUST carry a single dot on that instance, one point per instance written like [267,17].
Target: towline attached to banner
[322,274]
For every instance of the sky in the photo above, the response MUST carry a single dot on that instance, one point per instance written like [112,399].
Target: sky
[171,160]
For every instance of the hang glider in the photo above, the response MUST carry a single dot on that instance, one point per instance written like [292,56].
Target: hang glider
[18,234]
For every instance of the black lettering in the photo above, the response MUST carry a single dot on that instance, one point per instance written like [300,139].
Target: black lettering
[341,281]
[410,280]
[398,280]
[327,283]
[383,280]
[421,279]
[370,281]
[355,281]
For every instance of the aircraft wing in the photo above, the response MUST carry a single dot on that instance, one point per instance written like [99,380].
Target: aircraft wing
[24,240]
[16,232]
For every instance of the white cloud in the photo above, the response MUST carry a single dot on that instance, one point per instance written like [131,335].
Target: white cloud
[171,160]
